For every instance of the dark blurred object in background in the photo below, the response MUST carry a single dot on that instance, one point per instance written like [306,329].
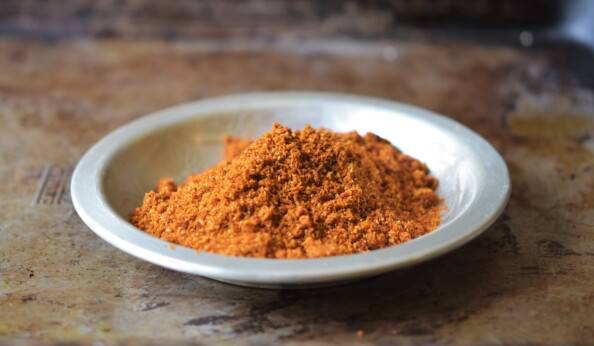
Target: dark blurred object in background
[499,13]
[564,24]
[189,18]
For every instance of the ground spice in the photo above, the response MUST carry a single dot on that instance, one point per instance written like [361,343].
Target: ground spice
[297,194]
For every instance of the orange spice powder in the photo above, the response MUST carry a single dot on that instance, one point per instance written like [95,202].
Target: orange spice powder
[297,194]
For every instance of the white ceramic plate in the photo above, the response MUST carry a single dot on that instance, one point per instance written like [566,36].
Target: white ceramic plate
[112,177]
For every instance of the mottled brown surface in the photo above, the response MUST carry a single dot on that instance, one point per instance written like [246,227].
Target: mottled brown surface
[528,279]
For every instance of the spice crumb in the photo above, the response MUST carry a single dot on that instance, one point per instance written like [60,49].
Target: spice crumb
[297,194]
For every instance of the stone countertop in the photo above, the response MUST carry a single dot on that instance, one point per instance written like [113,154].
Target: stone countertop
[528,279]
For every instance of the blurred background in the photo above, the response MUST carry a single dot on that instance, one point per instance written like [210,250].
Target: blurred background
[569,20]
[205,18]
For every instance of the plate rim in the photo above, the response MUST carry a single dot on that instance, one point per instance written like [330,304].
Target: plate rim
[91,205]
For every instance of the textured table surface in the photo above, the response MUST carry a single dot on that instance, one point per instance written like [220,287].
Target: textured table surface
[528,279]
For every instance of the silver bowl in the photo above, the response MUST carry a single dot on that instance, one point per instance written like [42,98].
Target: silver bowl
[112,177]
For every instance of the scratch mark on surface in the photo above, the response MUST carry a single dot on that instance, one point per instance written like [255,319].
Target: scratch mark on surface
[210,320]
[64,178]
[153,306]
[42,184]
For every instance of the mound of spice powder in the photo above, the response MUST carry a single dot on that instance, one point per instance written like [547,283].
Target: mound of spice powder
[297,194]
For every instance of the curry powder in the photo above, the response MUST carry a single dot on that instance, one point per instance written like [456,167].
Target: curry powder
[297,194]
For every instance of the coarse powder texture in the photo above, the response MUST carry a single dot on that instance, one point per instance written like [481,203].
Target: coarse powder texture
[297,194]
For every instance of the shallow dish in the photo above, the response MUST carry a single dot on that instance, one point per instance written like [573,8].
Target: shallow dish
[112,177]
